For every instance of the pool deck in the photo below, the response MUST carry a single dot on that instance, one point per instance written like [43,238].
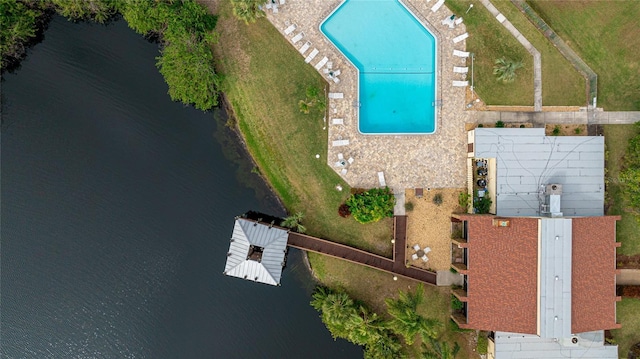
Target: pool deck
[408,161]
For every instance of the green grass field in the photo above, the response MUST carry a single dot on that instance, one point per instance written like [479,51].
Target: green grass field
[605,35]
[628,228]
[562,85]
[264,77]
[489,40]
[629,334]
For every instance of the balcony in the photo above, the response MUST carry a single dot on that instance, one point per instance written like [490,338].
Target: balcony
[460,293]
[460,319]
[460,268]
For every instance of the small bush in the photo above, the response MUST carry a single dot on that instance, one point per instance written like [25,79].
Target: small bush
[453,270]
[483,204]
[456,304]
[556,130]
[463,199]
[522,126]
[480,125]
[577,130]
[500,124]
[437,199]
[483,344]
[344,211]
[408,206]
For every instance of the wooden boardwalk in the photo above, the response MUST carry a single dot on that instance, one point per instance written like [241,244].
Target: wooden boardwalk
[395,265]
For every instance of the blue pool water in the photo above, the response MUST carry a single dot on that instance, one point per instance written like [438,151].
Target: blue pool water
[396,58]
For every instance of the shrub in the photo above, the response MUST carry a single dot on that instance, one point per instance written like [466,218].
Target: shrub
[480,125]
[408,206]
[372,205]
[630,175]
[463,200]
[456,304]
[17,26]
[522,126]
[247,10]
[505,69]
[344,211]
[500,124]
[556,130]
[453,270]
[577,130]
[483,344]
[437,199]
[483,204]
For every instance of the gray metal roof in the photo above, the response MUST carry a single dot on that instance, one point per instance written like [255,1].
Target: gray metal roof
[555,278]
[589,345]
[272,240]
[526,159]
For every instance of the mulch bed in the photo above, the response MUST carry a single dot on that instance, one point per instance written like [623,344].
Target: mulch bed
[628,262]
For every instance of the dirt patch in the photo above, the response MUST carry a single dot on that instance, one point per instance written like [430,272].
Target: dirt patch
[429,225]
[628,262]
[566,130]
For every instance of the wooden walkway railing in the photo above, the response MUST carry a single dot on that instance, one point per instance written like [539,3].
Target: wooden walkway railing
[396,265]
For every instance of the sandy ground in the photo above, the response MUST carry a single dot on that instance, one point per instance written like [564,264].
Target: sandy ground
[429,225]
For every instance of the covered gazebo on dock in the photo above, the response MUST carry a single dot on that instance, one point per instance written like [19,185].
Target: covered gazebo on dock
[256,251]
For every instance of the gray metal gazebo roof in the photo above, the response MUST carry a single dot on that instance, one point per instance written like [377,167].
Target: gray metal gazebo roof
[256,252]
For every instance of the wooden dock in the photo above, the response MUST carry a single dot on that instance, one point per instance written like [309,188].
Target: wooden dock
[395,265]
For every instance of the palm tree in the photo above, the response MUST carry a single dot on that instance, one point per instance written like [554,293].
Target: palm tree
[386,347]
[247,10]
[440,350]
[505,69]
[293,222]
[406,321]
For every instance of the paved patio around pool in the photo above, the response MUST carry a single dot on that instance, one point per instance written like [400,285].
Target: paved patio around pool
[408,161]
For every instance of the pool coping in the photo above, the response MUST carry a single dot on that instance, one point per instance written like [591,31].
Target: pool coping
[436,74]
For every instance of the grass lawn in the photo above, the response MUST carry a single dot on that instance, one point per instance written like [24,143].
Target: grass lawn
[489,40]
[629,334]
[628,229]
[605,35]
[264,78]
[562,85]
[373,286]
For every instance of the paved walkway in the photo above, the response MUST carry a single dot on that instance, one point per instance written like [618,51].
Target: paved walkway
[396,266]
[437,160]
[628,277]
[537,60]
[582,117]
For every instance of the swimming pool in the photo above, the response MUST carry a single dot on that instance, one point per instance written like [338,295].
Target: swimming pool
[396,60]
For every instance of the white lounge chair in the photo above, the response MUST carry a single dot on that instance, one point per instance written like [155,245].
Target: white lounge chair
[350,160]
[336,95]
[311,55]
[269,5]
[338,143]
[458,21]
[305,47]
[457,39]
[340,156]
[282,2]
[414,256]
[275,8]
[321,63]
[460,70]
[290,29]
[459,53]
[383,183]
[460,83]
[344,171]
[336,80]
[437,6]
[297,37]
[427,250]
[424,258]
[416,247]
[337,121]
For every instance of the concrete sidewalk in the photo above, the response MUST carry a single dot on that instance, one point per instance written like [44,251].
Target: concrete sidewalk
[628,277]
[582,117]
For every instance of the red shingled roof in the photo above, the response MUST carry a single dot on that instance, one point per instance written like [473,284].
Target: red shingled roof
[593,278]
[502,274]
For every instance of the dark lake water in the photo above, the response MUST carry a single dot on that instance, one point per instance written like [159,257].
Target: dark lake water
[117,207]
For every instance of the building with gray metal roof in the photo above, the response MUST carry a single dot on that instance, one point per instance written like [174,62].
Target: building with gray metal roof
[522,161]
[256,252]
